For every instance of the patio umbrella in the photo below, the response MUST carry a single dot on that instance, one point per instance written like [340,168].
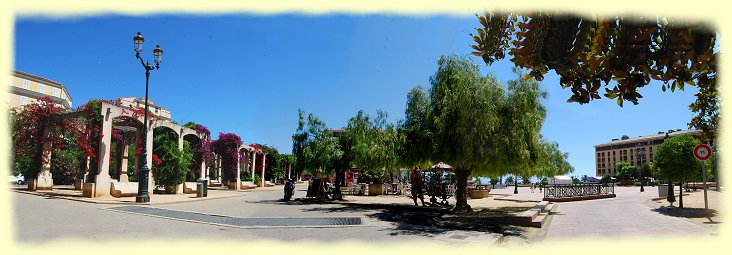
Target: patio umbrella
[441,165]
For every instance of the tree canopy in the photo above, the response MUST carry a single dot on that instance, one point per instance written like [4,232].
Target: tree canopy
[589,52]
[315,148]
[674,159]
[372,144]
[473,123]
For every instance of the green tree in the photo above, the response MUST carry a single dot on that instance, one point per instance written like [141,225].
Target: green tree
[675,161]
[606,179]
[625,171]
[374,145]
[474,124]
[316,148]
[552,161]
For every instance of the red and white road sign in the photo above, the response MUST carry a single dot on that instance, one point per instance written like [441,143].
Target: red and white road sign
[702,152]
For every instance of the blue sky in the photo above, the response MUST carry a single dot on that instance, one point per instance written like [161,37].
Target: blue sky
[250,74]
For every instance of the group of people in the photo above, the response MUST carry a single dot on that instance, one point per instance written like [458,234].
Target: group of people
[418,186]
[534,186]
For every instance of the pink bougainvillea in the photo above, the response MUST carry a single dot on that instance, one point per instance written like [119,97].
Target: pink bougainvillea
[228,147]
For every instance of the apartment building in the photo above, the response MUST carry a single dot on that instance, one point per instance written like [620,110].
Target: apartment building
[159,111]
[26,88]
[636,151]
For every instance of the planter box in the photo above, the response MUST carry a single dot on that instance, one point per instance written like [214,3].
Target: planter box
[79,184]
[31,184]
[478,194]
[376,189]
[171,189]
[89,190]
[231,185]
[662,190]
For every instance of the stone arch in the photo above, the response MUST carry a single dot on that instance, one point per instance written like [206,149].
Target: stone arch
[126,135]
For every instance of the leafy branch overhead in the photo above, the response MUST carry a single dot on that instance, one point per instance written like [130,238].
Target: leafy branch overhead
[587,53]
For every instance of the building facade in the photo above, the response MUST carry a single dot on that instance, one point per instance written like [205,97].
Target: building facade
[636,151]
[159,111]
[26,88]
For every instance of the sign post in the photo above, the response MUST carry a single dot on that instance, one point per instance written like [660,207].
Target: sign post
[702,152]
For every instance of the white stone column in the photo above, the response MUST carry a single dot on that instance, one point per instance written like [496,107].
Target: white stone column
[123,171]
[204,173]
[102,180]
[149,146]
[238,170]
[264,161]
[254,163]
[44,181]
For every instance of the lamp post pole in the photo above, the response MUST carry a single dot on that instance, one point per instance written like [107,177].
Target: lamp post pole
[142,187]
[640,164]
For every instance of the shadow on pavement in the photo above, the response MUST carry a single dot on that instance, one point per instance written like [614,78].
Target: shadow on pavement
[423,221]
[685,212]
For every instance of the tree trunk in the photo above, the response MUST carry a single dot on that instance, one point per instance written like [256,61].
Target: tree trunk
[462,183]
[340,176]
[681,194]
[670,197]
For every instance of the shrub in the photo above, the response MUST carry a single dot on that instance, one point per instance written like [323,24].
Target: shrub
[170,165]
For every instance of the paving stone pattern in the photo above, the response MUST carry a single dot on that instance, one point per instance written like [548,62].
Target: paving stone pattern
[241,222]
[624,216]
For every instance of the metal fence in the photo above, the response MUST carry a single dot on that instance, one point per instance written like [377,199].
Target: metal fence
[578,190]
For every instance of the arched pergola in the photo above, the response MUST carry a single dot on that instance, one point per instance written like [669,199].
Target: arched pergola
[99,183]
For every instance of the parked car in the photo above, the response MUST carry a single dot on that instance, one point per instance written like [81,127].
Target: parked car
[18,179]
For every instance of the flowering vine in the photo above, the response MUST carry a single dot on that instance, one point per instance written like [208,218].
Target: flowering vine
[28,133]
[228,147]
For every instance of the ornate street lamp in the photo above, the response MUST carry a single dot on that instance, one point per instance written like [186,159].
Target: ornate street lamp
[142,194]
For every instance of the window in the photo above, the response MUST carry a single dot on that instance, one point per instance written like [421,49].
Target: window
[41,88]
[26,84]
[23,100]
[56,91]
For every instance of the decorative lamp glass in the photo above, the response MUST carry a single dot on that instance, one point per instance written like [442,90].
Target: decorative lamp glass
[138,40]
[158,52]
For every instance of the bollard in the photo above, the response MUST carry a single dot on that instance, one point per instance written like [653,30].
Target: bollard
[199,189]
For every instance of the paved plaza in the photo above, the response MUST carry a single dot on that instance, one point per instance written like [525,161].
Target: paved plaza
[628,215]
[390,219]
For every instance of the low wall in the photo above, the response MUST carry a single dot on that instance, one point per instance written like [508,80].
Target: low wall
[568,199]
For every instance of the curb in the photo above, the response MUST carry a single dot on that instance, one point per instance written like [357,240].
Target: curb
[117,202]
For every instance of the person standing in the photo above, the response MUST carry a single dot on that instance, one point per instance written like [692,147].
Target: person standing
[417,186]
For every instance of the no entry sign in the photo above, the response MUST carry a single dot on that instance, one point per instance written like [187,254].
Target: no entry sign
[702,152]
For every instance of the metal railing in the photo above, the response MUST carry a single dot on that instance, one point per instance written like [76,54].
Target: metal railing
[578,190]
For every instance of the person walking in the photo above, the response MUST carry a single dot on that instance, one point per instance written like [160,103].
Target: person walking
[417,186]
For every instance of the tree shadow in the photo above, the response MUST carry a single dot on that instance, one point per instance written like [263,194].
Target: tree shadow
[686,212]
[423,221]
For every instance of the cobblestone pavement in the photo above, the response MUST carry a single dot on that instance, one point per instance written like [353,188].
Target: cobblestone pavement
[628,215]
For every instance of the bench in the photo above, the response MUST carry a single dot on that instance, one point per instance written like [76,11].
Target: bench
[123,189]
[190,187]
[248,185]
[268,184]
